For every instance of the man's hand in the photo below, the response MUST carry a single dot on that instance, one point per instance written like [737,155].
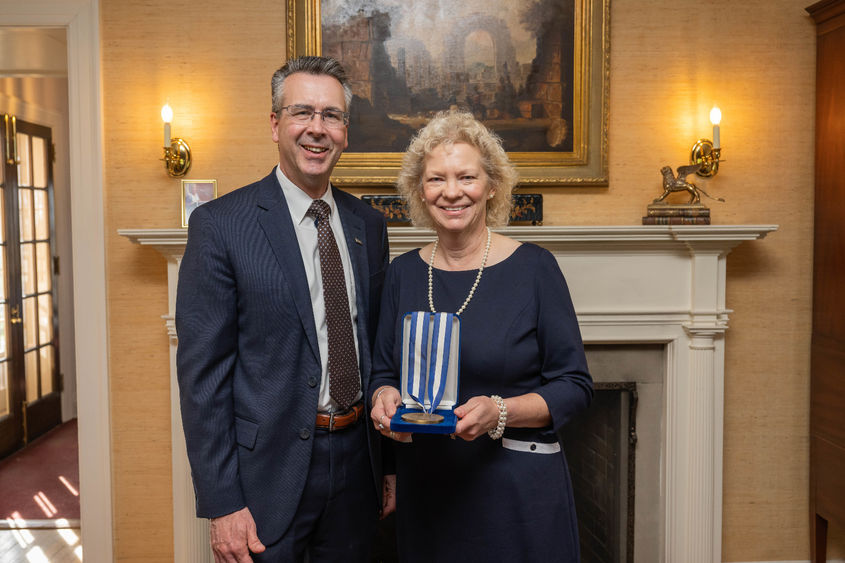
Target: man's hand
[233,536]
[388,504]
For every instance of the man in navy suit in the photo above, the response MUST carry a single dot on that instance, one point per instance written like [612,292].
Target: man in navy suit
[283,469]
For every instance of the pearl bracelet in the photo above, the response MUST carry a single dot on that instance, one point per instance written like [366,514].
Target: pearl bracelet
[496,433]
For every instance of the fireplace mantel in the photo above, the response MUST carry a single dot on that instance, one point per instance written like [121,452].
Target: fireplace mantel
[629,284]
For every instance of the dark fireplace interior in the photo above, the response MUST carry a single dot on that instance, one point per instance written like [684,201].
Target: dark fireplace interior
[599,448]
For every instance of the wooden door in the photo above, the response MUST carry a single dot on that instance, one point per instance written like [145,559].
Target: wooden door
[827,368]
[29,352]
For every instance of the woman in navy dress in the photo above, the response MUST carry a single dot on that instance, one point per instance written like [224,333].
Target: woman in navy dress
[499,488]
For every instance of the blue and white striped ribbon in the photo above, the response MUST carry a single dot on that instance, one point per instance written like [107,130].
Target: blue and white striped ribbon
[428,353]
[439,363]
[417,356]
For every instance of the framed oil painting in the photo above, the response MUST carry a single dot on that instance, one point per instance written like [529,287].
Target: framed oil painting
[534,71]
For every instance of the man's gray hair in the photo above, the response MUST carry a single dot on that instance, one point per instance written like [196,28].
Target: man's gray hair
[318,66]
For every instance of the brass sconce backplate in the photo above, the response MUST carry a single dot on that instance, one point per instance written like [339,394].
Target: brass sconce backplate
[177,157]
[704,154]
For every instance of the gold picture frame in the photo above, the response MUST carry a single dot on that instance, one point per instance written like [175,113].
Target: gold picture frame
[581,161]
[195,193]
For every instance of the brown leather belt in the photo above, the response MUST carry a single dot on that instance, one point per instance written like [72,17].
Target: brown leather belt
[340,420]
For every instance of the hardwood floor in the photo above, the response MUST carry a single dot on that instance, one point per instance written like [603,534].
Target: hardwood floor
[41,480]
[40,545]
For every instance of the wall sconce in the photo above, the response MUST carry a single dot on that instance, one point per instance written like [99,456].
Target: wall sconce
[706,152]
[177,153]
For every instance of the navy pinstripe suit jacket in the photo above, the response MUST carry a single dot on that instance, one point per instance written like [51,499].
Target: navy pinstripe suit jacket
[247,361]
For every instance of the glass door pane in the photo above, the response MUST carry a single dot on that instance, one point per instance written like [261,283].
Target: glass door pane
[24,164]
[39,162]
[4,390]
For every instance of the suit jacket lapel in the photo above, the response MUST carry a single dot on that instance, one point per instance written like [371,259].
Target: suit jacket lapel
[280,233]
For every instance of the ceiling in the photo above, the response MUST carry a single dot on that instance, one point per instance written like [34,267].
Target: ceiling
[33,51]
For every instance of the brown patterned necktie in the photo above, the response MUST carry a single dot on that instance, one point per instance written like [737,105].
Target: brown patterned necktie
[344,379]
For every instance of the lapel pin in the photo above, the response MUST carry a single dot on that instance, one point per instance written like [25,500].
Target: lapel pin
[359,241]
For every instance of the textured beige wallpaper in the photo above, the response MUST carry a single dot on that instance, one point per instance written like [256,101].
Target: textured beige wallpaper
[671,61]
[213,61]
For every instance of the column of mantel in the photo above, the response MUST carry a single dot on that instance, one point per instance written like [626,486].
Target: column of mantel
[701,497]
[625,282]
[190,534]
[703,508]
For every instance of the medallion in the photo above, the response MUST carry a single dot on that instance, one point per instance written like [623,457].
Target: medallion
[422,417]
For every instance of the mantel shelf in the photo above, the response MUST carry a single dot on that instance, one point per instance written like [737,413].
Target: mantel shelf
[406,238]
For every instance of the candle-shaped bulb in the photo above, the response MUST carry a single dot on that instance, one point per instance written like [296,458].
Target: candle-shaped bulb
[167,116]
[715,116]
[715,119]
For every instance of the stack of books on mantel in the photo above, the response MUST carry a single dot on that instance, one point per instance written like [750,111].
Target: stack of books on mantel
[672,214]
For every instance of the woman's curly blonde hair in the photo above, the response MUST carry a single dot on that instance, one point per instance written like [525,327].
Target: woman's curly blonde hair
[449,127]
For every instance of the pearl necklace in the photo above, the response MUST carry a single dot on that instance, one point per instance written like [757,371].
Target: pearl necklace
[474,286]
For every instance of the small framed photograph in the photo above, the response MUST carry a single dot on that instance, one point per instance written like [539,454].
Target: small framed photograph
[194,194]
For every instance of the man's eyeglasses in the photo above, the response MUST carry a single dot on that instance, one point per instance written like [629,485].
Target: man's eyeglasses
[304,114]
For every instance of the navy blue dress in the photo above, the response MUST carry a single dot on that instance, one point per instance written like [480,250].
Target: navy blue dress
[480,501]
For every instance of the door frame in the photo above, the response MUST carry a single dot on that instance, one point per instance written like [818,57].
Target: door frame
[81,20]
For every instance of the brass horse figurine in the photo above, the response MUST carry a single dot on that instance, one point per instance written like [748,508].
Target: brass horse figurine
[672,184]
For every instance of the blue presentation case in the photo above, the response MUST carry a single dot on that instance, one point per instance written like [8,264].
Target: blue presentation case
[446,426]
[449,401]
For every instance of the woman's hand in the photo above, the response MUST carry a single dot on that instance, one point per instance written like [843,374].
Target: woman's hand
[476,417]
[385,401]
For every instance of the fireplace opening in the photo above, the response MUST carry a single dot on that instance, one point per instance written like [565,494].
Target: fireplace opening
[600,447]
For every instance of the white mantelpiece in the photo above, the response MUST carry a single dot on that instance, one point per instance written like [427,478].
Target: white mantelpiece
[629,284]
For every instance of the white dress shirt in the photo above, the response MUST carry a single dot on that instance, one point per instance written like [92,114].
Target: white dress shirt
[306,234]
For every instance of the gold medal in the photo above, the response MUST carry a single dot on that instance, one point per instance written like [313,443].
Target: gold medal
[422,418]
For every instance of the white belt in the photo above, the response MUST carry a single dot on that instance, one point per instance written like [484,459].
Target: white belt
[531,447]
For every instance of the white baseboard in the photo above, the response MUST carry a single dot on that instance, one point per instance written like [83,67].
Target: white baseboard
[21,524]
[796,561]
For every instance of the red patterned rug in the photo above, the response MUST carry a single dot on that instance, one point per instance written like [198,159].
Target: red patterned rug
[41,482]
